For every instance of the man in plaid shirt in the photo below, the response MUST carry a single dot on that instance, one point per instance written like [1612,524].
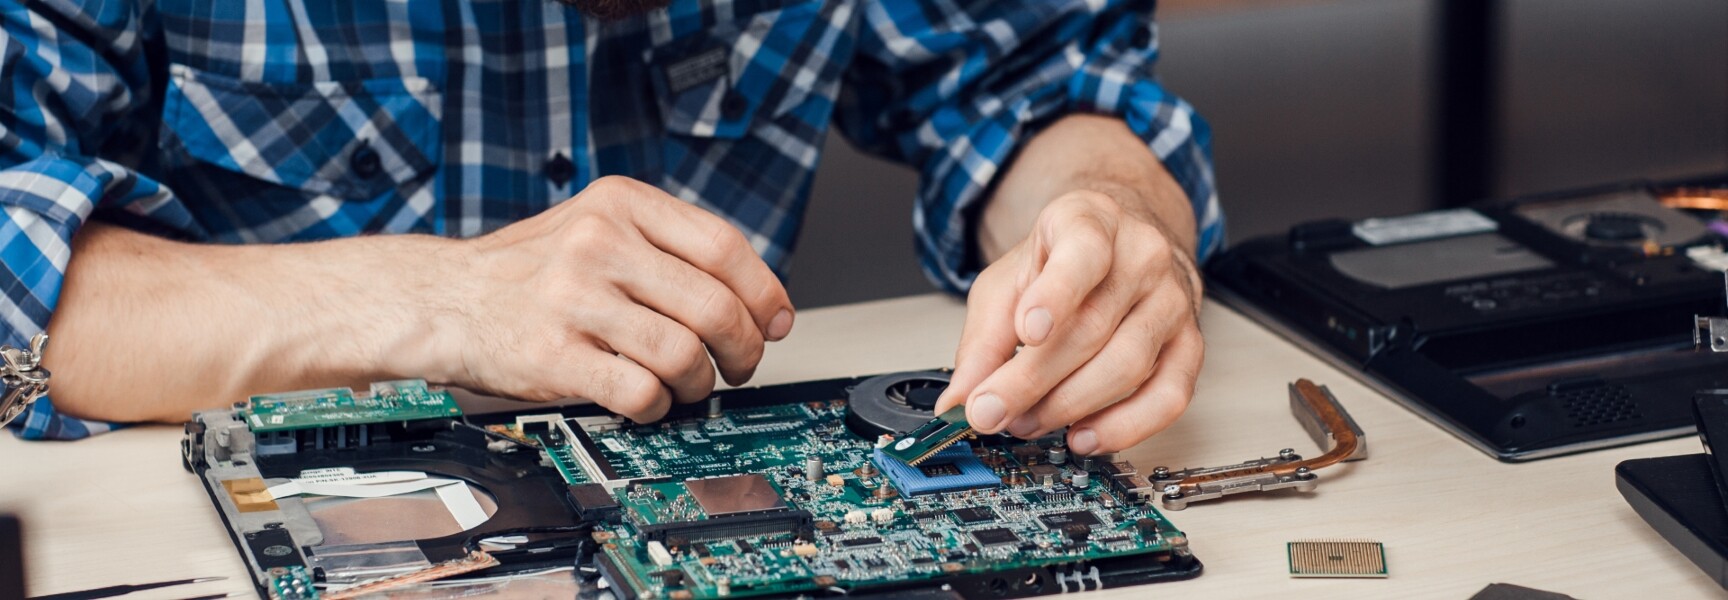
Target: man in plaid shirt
[587,200]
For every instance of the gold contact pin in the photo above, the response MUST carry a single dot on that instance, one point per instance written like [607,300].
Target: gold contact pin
[933,452]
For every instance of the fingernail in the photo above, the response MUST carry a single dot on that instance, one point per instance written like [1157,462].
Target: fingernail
[780,325]
[1023,426]
[1083,442]
[1037,324]
[986,413]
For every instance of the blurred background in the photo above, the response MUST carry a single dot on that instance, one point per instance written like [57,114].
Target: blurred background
[1356,108]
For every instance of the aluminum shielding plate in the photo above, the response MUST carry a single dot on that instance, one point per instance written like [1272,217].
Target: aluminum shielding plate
[735,494]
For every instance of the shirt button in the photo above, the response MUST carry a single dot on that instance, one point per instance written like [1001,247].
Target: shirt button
[365,162]
[1142,37]
[559,169]
[733,105]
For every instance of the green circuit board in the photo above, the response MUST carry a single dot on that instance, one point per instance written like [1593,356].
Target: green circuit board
[729,507]
[385,402]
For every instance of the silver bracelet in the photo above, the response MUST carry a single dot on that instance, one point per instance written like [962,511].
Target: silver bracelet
[22,374]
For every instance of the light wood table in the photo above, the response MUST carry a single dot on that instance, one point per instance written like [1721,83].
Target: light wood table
[119,508]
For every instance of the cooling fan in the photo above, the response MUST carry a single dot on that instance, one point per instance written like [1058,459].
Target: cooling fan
[893,403]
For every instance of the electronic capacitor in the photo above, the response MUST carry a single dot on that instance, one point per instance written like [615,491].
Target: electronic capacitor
[1082,479]
[813,468]
[1057,455]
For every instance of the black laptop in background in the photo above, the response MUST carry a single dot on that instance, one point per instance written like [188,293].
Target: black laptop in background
[11,558]
[1529,328]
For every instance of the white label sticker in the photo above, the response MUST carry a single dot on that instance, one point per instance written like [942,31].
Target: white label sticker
[352,477]
[615,445]
[329,472]
[1422,226]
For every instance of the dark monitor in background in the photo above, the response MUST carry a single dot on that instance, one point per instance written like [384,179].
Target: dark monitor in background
[11,557]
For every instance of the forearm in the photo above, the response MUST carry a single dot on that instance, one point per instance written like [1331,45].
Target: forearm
[148,329]
[1084,152]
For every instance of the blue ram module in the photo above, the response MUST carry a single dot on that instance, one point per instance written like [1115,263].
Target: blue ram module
[953,469]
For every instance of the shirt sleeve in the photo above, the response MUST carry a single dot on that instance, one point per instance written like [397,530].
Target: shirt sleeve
[69,78]
[955,93]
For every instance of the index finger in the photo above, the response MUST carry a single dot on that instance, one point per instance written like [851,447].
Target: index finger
[986,340]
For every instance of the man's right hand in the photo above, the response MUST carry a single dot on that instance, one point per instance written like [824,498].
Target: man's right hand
[619,296]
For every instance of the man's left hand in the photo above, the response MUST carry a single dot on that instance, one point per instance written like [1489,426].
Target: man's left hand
[1105,303]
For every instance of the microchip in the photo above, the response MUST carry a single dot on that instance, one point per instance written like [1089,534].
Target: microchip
[1049,496]
[859,542]
[1335,558]
[735,494]
[1045,474]
[671,577]
[1076,532]
[1056,521]
[974,514]
[995,536]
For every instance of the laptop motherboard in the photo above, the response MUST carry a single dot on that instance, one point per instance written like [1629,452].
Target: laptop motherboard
[799,490]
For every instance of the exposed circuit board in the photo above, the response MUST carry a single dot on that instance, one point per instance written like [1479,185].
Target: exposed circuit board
[791,491]
[389,401]
[786,499]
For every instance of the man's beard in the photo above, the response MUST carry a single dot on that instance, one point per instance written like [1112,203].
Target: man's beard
[612,10]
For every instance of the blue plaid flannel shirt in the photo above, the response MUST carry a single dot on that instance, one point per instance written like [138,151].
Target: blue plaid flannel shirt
[280,121]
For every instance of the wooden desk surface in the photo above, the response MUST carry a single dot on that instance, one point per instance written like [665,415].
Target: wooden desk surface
[120,509]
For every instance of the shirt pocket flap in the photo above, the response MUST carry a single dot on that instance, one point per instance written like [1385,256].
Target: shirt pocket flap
[717,83]
[351,140]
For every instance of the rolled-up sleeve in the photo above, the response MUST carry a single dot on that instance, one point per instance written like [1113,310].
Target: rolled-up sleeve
[954,93]
[70,78]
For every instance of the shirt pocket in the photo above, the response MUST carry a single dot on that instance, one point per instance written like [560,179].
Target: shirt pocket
[347,140]
[720,82]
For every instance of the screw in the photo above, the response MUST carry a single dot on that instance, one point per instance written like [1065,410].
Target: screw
[1287,454]
[1160,472]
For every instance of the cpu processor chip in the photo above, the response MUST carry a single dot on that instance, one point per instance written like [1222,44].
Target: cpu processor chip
[735,494]
[1331,558]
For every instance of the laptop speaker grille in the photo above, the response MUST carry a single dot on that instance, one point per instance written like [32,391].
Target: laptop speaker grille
[1599,405]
